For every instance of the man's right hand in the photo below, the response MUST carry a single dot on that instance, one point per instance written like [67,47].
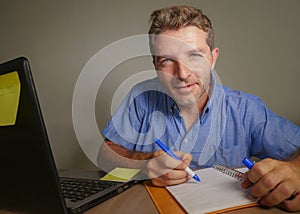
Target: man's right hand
[165,170]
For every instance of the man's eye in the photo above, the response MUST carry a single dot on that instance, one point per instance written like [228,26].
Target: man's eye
[165,61]
[196,55]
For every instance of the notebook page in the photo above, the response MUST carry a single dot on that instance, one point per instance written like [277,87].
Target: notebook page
[215,191]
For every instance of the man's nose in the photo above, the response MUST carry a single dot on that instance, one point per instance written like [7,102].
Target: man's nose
[182,72]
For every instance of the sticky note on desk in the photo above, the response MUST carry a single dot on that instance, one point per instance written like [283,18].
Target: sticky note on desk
[120,174]
[10,88]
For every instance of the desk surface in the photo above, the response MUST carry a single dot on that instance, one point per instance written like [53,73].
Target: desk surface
[137,200]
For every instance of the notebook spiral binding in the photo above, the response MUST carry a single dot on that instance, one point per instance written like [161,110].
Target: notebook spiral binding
[231,172]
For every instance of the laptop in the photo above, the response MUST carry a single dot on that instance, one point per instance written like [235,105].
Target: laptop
[29,181]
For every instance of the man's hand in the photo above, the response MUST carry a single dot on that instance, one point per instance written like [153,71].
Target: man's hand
[165,170]
[275,183]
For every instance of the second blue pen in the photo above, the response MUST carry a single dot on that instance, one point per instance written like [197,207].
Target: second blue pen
[170,153]
[248,163]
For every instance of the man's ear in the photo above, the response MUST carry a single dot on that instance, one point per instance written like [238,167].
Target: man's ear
[215,54]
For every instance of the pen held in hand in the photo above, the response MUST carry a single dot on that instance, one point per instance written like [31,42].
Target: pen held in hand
[248,163]
[170,153]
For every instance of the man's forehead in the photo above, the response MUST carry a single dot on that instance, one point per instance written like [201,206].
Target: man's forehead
[170,43]
[171,47]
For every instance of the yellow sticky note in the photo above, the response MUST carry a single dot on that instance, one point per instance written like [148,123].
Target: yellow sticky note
[120,174]
[10,88]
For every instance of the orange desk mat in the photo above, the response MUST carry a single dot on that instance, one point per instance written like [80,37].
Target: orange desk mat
[163,200]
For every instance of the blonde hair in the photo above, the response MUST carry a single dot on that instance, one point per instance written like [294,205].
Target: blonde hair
[176,17]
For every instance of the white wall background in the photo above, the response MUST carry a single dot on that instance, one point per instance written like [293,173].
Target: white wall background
[258,41]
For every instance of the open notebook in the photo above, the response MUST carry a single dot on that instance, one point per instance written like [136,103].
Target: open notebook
[216,192]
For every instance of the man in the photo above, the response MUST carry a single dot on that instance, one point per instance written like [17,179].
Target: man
[203,121]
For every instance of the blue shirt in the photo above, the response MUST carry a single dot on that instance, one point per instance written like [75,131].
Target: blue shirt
[232,126]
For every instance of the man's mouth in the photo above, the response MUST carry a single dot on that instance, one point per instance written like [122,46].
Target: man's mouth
[185,88]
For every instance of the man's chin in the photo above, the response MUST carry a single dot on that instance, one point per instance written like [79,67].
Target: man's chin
[186,102]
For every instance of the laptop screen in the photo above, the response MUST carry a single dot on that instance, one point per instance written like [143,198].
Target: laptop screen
[29,181]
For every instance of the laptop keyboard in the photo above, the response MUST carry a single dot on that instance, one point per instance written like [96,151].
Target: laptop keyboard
[78,189]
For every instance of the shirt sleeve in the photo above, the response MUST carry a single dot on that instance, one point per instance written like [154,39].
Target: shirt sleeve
[139,119]
[122,127]
[272,135]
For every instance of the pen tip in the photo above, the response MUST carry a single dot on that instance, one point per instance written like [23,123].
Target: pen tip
[196,178]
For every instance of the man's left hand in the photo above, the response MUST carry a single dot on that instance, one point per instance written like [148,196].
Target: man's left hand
[275,183]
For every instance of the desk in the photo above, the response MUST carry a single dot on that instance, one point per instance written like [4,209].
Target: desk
[137,200]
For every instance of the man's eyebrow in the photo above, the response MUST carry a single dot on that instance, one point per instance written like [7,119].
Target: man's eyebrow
[196,50]
[190,51]
[160,56]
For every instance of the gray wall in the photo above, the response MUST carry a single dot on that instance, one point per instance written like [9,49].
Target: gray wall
[258,41]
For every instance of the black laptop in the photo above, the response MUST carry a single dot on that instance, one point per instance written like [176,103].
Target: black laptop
[29,180]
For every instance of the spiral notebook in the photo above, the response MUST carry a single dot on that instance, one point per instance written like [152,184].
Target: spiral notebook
[218,191]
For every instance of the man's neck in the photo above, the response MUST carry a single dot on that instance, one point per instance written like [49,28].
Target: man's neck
[190,113]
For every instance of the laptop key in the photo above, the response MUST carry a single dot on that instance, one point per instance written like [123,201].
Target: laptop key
[78,189]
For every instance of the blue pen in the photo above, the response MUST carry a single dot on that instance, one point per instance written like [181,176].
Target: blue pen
[248,163]
[169,152]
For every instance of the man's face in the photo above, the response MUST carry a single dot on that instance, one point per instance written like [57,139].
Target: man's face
[183,61]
